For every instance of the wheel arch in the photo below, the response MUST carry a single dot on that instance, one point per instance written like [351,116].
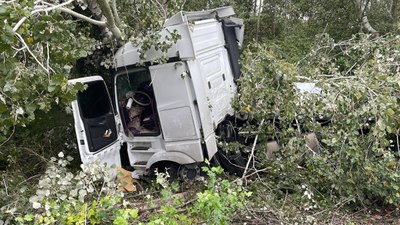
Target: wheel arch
[176,157]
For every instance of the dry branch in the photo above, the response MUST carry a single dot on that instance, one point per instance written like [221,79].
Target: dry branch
[157,203]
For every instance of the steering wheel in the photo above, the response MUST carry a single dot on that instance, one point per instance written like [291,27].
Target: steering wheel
[141,98]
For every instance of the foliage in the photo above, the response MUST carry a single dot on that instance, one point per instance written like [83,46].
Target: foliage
[291,25]
[357,159]
[91,196]
[261,88]
[220,201]
[40,51]
[216,204]
[62,196]
[364,110]
[33,145]
[144,20]
[24,157]
[41,47]
[35,60]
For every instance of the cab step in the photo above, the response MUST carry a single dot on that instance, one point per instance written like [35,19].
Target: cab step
[140,169]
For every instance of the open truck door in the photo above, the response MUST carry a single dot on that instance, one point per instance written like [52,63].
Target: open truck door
[95,123]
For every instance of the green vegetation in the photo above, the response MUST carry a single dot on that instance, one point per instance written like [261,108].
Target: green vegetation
[356,161]
[90,196]
[350,49]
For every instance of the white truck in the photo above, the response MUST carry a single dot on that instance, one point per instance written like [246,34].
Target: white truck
[164,115]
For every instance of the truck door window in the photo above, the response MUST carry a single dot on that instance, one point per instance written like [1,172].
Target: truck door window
[94,100]
[137,103]
[97,116]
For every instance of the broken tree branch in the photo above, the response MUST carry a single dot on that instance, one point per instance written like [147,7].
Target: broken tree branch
[252,150]
[80,16]
[143,207]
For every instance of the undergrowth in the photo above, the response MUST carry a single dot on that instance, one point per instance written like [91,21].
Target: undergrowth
[90,196]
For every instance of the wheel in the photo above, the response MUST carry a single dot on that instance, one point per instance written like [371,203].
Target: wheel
[189,172]
[167,167]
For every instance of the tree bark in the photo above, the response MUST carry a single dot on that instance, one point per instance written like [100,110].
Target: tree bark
[394,14]
[103,9]
[363,8]
[111,25]
[115,12]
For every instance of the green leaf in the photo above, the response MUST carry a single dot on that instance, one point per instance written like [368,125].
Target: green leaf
[120,221]
[51,88]
[28,217]
[134,213]
[389,129]
[3,10]
[165,193]
[3,108]
[79,87]
[7,36]
[390,112]
[381,125]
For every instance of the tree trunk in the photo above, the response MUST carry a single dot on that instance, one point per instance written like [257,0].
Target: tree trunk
[102,10]
[363,6]
[394,14]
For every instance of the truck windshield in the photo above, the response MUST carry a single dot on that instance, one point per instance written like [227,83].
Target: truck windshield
[136,103]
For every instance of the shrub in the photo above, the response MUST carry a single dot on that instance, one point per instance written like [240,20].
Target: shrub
[358,153]
[90,196]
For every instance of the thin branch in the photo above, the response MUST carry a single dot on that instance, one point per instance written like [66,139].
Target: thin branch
[48,55]
[52,7]
[249,175]
[258,23]
[161,9]
[251,213]
[37,154]
[188,202]
[17,50]
[31,53]
[158,203]
[61,8]
[30,178]
[5,186]
[20,22]
[8,139]
[183,4]
[252,150]
[7,2]
[80,16]
[47,9]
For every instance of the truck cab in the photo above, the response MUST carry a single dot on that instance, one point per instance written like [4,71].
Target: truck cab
[164,115]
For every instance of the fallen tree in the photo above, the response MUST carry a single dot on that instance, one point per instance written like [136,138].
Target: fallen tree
[358,152]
